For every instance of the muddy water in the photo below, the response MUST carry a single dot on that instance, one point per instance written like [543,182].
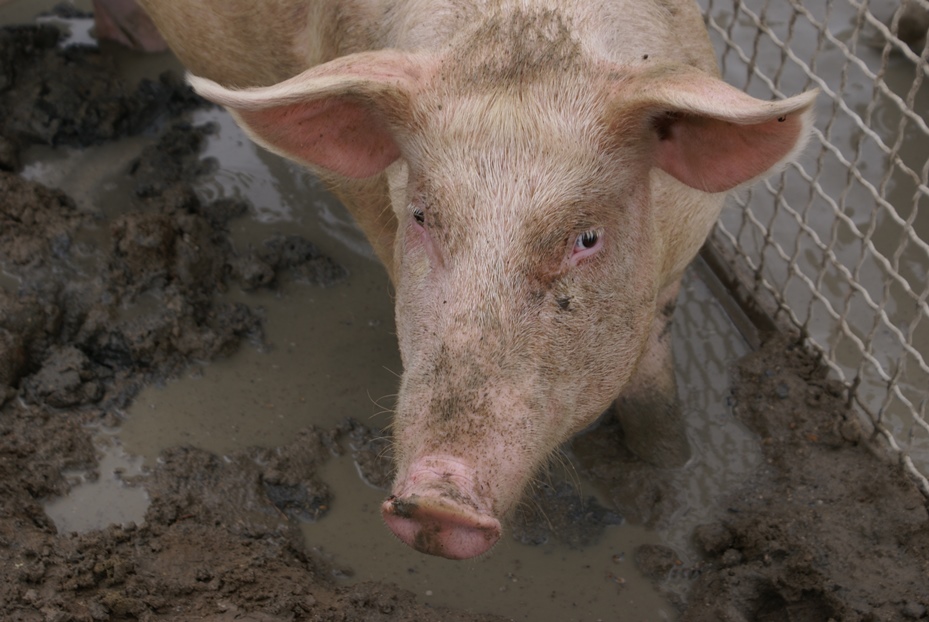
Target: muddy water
[101,497]
[331,352]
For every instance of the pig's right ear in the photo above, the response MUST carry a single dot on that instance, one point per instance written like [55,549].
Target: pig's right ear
[339,116]
[707,134]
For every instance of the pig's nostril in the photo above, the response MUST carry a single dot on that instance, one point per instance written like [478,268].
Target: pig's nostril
[401,508]
[438,527]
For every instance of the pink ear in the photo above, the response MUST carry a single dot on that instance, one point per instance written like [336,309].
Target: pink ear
[336,133]
[712,136]
[339,116]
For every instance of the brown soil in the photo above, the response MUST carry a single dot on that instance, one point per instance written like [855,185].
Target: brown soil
[825,531]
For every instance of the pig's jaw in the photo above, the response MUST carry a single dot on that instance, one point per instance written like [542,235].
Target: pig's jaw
[434,509]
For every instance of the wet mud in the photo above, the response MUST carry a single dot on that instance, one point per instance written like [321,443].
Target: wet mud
[825,530]
[97,303]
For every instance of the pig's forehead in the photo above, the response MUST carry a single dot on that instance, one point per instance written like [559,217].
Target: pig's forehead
[517,147]
[517,128]
[554,109]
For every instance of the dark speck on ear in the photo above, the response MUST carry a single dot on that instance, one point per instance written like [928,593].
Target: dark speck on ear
[662,124]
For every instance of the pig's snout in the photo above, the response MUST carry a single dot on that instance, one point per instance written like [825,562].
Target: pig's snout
[435,513]
[439,527]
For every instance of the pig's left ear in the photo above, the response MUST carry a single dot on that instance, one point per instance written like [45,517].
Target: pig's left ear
[339,116]
[707,134]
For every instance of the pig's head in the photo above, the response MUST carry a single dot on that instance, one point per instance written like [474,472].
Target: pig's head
[529,246]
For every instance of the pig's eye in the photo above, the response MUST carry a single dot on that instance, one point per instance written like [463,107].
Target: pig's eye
[419,216]
[587,242]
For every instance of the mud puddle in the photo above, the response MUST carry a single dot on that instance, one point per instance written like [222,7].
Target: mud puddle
[330,352]
[101,496]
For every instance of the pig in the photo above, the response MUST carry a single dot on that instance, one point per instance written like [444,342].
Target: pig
[535,176]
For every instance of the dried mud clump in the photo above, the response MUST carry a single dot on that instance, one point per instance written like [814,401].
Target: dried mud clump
[289,254]
[73,96]
[36,223]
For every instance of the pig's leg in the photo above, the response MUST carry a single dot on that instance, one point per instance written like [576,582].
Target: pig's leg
[125,22]
[649,409]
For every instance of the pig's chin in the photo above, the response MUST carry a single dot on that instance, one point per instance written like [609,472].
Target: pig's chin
[434,511]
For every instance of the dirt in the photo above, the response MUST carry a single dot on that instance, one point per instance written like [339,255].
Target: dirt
[105,303]
[825,530]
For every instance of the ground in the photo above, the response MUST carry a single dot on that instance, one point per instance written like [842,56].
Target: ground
[825,530]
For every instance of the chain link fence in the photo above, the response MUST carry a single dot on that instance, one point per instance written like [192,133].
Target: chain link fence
[838,244]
